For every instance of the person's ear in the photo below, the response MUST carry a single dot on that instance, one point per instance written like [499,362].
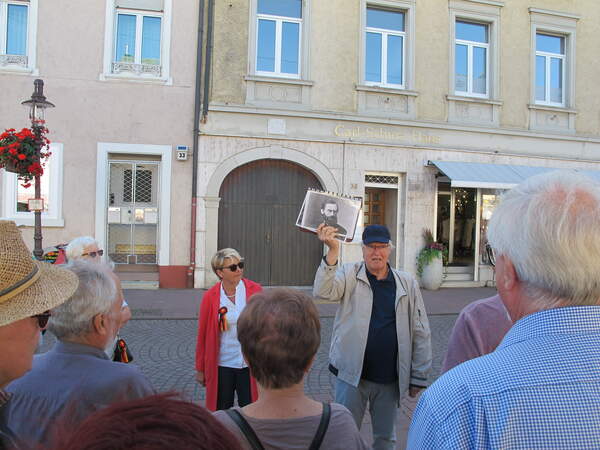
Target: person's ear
[99,323]
[219,273]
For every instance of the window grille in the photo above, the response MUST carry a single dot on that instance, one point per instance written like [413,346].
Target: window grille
[381,179]
[143,186]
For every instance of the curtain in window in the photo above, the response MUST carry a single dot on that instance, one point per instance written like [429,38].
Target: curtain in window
[16,30]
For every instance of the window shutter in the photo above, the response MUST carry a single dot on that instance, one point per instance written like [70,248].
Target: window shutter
[147,5]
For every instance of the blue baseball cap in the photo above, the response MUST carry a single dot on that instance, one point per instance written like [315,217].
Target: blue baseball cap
[376,233]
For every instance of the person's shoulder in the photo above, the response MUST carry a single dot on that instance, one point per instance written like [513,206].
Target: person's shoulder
[214,290]
[342,432]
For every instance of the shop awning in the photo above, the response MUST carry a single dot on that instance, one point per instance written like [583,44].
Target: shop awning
[493,176]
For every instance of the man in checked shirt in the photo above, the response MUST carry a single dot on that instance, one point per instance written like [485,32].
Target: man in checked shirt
[541,387]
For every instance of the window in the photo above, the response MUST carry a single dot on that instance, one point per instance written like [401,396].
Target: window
[17,37]
[137,39]
[471,59]
[137,43]
[384,47]
[549,69]
[278,37]
[16,197]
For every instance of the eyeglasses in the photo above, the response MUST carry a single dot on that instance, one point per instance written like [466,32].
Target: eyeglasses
[42,319]
[234,267]
[93,254]
[377,247]
[490,255]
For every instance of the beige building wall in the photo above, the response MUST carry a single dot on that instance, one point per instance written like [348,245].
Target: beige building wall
[70,53]
[334,54]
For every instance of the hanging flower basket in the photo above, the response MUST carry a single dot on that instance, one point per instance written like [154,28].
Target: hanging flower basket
[19,152]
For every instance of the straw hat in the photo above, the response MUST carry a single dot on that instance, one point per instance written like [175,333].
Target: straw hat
[28,287]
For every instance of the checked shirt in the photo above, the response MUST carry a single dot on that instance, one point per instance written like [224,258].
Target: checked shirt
[540,389]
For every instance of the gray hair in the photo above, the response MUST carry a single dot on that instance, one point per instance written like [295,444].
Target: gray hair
[548,226]
[95,295]
[75,248]
[217,261]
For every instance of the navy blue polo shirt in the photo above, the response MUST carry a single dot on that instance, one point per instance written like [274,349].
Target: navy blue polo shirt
[381,353]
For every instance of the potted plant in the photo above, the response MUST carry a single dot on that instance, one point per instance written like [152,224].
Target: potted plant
[19,154]
[430,262]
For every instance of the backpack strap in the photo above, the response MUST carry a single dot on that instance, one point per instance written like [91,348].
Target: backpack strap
[245,428]
[318,439]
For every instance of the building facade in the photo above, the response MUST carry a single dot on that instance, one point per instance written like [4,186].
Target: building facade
[121,74]
[426,110]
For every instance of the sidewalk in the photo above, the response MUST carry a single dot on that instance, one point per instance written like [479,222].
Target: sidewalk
[184,303]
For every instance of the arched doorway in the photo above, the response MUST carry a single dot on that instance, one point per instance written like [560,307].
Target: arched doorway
[257,215]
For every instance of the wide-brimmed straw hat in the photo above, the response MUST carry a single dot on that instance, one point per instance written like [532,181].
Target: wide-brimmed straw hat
[28,287]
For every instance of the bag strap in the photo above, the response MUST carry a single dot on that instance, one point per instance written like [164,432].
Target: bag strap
[318,439]
[245,428]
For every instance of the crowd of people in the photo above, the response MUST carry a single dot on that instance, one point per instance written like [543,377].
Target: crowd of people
[522,369]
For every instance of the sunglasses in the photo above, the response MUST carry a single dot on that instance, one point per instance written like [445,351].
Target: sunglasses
[93,254]
[42,319]
[234,267]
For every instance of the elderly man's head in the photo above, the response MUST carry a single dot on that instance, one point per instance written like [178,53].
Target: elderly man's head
[92,315]
[545,235]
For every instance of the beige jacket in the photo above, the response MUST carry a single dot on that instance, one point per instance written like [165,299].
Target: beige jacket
[350,286]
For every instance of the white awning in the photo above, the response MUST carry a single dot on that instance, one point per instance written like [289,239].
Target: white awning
[493,176]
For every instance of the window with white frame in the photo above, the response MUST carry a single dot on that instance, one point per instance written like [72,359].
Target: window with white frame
[549,69]
[278,38]
[471,59]
[14,33]
[15,200]
[385,37]
[137,39]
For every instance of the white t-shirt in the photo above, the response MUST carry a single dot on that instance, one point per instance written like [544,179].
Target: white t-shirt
[230,352]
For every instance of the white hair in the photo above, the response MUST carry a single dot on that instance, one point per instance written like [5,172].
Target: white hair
[95,295]
[75,248]
[549,228]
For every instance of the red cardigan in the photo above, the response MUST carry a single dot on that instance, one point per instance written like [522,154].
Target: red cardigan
[208,344]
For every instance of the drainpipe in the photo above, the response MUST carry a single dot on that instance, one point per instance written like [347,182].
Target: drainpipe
[209,49]
[197,109]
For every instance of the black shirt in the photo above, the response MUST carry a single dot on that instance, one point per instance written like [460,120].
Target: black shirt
[381,352]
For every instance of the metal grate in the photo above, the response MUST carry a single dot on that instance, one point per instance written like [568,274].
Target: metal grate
[143,186]
[381,179]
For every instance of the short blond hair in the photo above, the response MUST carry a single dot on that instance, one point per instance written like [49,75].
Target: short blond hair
[217,261]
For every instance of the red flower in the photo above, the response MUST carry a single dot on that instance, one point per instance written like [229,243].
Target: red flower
[26,185]
[21,156]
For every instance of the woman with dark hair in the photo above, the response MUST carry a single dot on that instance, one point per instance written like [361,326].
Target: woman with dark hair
[220,365]
[153,423]
[279,332]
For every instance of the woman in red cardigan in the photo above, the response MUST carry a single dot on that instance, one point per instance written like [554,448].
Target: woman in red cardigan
[220,365]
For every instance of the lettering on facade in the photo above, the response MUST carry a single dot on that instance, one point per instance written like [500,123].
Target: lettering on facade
[386,133]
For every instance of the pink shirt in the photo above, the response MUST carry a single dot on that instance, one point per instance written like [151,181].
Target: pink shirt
[478,330]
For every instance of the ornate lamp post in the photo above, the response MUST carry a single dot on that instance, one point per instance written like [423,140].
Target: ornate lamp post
[37,105]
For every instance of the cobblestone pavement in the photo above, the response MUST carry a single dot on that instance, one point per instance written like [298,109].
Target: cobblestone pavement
[165,349]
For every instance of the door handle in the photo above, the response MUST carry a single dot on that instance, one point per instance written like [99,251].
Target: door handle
[268,236]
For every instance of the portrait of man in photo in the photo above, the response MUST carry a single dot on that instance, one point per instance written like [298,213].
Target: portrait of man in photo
[329,214]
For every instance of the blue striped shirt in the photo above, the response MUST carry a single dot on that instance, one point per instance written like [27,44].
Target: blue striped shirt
[540,389]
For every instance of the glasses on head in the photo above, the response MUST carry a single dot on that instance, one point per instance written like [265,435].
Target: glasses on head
[374,247]
[490,254]
[42,319]
[94,254]
[234,267]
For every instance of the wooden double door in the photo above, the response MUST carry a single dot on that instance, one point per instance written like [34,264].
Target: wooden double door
[259,206]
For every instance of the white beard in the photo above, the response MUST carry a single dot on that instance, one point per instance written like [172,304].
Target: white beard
[110,347]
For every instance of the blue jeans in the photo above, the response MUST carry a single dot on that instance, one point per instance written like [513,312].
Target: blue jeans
[383,405]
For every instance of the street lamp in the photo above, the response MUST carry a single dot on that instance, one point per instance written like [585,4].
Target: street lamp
[37,104]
